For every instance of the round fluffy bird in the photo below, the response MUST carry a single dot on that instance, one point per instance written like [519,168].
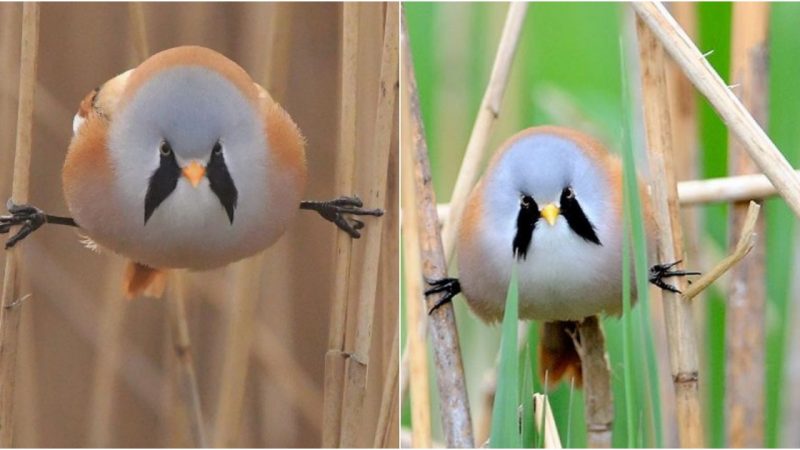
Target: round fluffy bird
[550,203]
[183,162]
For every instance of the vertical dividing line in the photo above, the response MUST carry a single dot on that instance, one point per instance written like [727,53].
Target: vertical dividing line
[345,165]
[11,304]
[358,363]
[677,311]
[187,379]
[456,419]
[744,334]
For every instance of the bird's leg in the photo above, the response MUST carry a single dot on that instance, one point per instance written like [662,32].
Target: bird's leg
[450,286]
[335,210]
[660,271]
[30,218]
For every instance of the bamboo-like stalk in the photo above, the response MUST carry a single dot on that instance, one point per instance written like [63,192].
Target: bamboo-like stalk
[138,30]
[456,420]
[488,112]
[739,121]
[677,311]
[745,317]
[358,362]
[591,347]
[12,309]
[389,404]
[416,357]
[238,343]
[179,329]
[345,164]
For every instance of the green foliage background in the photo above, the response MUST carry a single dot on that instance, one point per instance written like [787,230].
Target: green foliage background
[572,49]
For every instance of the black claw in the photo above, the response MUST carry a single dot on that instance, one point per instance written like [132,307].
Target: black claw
[450,286]
[28,217]
[335,210]
[660,271]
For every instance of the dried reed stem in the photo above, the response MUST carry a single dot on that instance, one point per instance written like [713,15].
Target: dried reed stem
[345,164]
[389,403]
[138,30]
[545,422]
[591,346]
[241,314]
[677,311]
[279,45]
[456,421]
[739,121]
[179,329]
[745,316]
[415,361]
[488,112]
[358,363]
[11,309]
[743,246]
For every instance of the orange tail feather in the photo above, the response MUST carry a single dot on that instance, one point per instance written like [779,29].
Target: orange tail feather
[143,280]
[558,357]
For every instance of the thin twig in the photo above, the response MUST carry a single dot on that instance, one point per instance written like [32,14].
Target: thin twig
[677,311]
[10,316]
[345,164]
[545,422]
[179,329]
[415,360]
[590,344]
[745,316]
[456,420]
[487,114]
[745,243]
[739,121]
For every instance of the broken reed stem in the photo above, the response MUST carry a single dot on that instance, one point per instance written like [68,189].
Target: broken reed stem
[357,365]
[745,243]
[677,311]
[187,380]
[138,30]
[738,120]
[415,360]
[745,314]
[11,309]
[389,397]
[488,112]
[241,315]
[545,422]
[345,166]
[598,398]
[456,420]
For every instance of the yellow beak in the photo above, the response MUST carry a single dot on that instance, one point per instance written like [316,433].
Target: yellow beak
[550,213]
[194,172]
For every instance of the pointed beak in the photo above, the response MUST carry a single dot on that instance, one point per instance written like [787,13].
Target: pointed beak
[194,172]
[550,213]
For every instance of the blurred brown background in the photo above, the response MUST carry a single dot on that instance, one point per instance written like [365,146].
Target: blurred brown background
[95,370]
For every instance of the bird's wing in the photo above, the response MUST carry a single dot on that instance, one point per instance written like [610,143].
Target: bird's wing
[102,101]
[287,144]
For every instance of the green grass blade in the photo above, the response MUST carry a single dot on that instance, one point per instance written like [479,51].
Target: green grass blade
[505,431]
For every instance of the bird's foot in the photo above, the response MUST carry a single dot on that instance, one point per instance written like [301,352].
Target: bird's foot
[335,211]
[30,218]
[660,271]
[450,286]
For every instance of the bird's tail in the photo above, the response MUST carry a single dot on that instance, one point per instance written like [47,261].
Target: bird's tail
[558,357]
[143,280]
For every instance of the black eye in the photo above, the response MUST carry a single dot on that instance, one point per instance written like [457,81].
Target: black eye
[526,201]
[217,150]
[568,193]
[165,148]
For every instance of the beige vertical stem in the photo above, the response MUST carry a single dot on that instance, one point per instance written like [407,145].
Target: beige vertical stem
[744,333]
[345,164]
[598,397]
[11,306]
[138,30]
[487,115]
[456,420]
[677,311]
[188,391]
[358,362]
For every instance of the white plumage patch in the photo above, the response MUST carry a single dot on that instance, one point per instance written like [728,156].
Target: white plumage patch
[77,123]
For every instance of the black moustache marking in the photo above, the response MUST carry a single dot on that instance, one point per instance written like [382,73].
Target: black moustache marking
[162,183]
[577,220]
[526,222]
[221,182]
